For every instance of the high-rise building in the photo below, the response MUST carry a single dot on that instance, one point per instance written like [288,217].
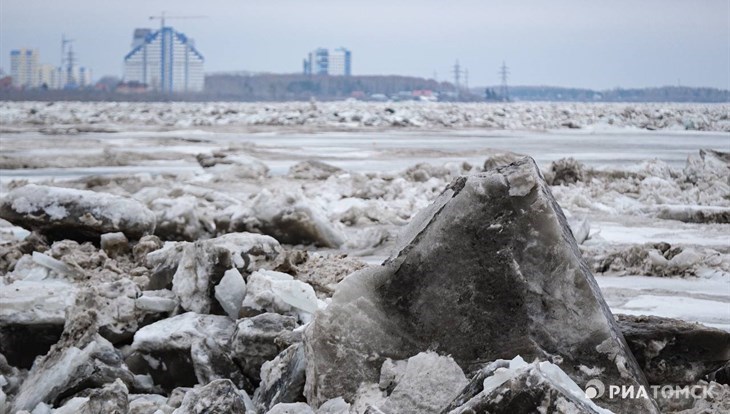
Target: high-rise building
[165,60]
[84,76]
[24,67]
[319,61]
[323,62]
[340,62]
[48,77]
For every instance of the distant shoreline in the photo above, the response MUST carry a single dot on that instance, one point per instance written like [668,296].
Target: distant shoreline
[303,88]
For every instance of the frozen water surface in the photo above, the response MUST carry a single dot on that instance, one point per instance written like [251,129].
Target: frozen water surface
[171,152]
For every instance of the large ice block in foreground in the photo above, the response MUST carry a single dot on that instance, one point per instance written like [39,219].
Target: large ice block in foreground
[66,213]
[490,270]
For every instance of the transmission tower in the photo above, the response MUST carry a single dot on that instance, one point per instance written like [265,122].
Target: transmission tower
[504,74]
[67,61]
[70,61]
[466,79]
[457,76]
[64,41]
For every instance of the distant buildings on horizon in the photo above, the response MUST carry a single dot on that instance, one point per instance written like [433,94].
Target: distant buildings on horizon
[321,61]
[165,61]
[27,72]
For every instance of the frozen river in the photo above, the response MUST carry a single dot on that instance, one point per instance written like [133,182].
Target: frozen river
[59,157]
[158,152]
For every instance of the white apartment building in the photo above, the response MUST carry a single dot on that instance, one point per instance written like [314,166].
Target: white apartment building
[24,68]
[165,60]
[340,62]
[48,76]
[337,62]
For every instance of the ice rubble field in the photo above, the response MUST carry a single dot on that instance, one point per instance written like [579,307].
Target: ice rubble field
[646,194]
[75,117]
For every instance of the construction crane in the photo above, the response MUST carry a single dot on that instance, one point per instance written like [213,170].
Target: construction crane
[164,16]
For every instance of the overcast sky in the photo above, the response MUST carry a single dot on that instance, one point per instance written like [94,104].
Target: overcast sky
[575,43]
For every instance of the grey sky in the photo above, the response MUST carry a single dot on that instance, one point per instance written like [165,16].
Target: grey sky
[577,43]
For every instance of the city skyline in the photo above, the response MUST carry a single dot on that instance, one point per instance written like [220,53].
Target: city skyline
[565,43]
[28,71]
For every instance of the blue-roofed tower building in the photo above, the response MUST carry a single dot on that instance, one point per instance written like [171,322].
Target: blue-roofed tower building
[165,60]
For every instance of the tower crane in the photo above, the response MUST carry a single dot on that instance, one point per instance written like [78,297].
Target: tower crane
[162,16]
